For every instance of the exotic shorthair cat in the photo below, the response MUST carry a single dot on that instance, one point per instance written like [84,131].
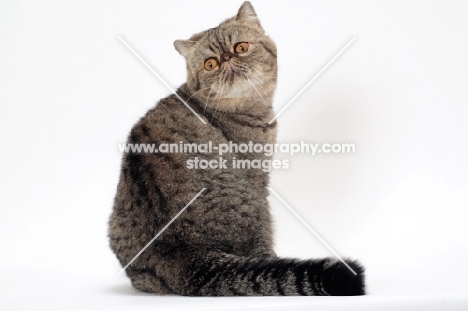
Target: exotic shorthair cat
[222,244]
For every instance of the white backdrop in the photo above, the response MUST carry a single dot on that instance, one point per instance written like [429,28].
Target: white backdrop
[70,92]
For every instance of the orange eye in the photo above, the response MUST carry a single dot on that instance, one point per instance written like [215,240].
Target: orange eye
[211,64]
[241,47]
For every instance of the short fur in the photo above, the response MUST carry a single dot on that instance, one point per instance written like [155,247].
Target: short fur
[222,245]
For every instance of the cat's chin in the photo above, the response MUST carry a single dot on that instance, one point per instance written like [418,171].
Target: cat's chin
[236,104]
[238,89]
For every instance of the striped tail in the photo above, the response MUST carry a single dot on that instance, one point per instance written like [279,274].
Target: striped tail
[230,275]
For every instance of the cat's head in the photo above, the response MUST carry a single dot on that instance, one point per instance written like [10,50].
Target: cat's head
[233,61]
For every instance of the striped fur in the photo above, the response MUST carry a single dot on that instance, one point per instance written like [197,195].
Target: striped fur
[230,275]
[222,245]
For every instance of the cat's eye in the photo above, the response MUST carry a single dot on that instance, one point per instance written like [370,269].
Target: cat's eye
[210,64]
[241,47]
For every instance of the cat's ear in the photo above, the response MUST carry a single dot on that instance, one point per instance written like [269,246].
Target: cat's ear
[184,47]
[247,14]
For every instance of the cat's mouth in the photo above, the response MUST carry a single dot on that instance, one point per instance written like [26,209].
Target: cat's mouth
[232,73]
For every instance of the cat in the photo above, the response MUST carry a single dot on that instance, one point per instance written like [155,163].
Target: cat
[222,244]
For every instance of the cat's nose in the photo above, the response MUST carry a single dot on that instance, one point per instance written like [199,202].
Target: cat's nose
[226,56]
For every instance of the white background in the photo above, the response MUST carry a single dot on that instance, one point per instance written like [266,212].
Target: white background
[70,92]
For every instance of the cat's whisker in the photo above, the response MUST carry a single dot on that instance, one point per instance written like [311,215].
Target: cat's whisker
[219,100]
[260,83]
[229,94]
[254,87]
[208,98]
[217,93]
[220,89]
[198,92]
[263,78]
[221,93]
[264,75]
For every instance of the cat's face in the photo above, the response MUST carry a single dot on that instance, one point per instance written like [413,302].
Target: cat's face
[235,60]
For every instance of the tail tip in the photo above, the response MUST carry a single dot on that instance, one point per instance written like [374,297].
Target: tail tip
[339,280]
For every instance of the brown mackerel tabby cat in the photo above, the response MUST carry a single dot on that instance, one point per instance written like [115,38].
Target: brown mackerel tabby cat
[222,244]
